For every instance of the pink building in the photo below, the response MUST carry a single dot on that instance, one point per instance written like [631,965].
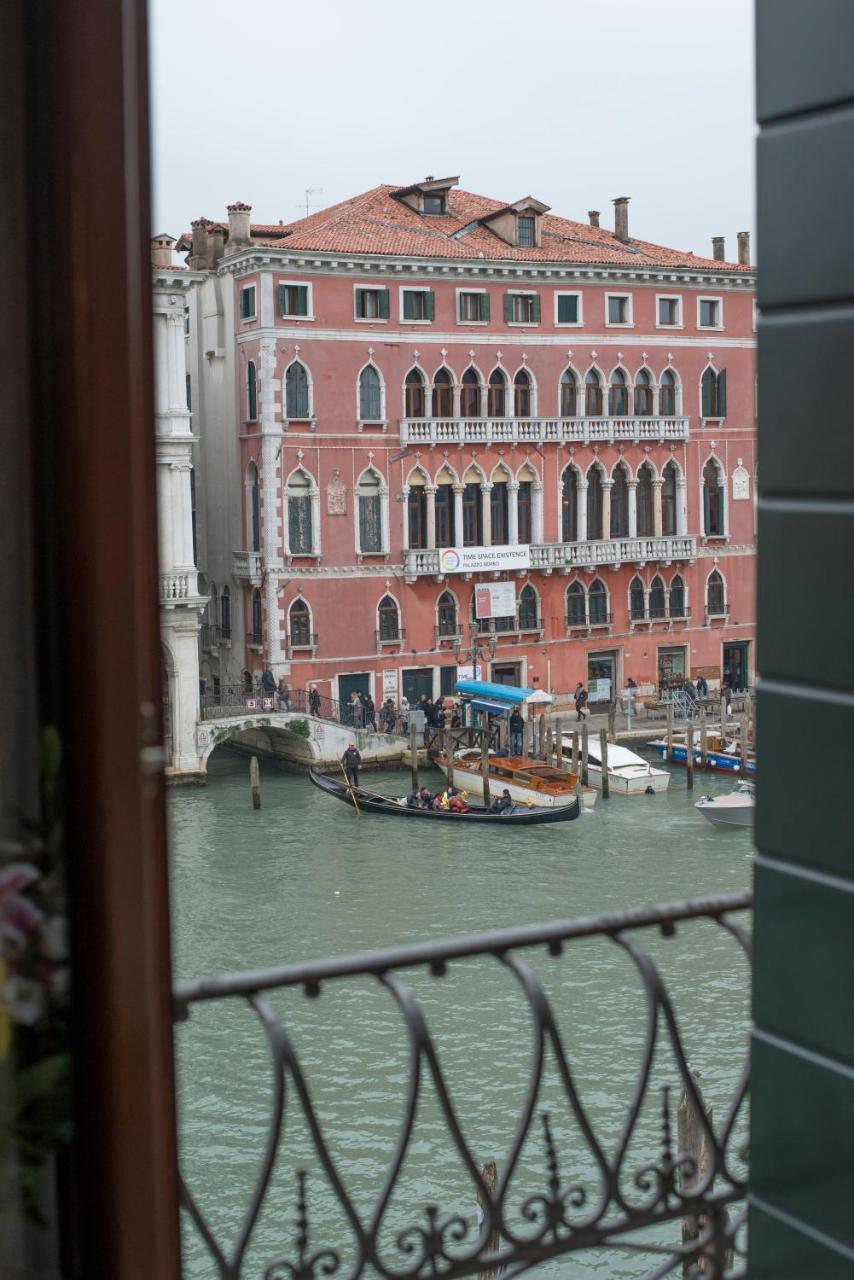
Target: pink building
[421,391]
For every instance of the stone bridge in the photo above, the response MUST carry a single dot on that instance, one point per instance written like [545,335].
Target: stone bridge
[291,737]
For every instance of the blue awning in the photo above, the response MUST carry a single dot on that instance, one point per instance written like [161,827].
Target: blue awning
[494,708]
[488,689]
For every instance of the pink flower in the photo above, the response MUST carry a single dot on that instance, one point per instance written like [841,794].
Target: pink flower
[19,917]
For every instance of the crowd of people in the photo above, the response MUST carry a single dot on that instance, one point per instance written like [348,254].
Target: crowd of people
[454,801]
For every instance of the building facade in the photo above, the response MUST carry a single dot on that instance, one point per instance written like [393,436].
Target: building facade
[437,429]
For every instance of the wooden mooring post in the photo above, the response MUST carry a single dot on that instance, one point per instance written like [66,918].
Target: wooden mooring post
[584,749]
[691,1141]
[670,733]
[413,754]
[612,721]
[528,738]
[575,752]
[744,736]
[484,756]
[560,759]
[689,755]
[489,1177]
[603,756]
[449,760]
[704,740]
[255,782]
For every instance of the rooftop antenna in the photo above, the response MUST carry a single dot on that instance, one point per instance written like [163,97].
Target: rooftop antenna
[309,192]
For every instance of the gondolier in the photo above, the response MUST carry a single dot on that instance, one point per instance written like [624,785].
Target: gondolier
[351,760]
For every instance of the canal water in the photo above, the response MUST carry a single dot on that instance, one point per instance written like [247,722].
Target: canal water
[305,878]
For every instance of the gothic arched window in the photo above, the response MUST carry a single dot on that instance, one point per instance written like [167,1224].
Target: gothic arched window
[645,502]
[715,595]
[470,395]
[575,613]
[528,620]
[497,394]
[568,394]
[656,598]
[443,395]
[597,603]
[299,625]
[298,500]
[618,395]
[522,394]
[415,398]
[389,619]
[370,394]
[296,391]
[667,395]
[446,608]
[643,395]
[593,394]
[637,600]
[569,506]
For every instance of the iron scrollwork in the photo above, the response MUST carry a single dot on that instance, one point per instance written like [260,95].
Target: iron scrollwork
[608,1208]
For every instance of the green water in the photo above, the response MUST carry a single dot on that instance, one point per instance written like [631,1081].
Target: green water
[305,878]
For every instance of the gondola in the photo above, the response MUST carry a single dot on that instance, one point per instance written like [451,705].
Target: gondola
[519,815]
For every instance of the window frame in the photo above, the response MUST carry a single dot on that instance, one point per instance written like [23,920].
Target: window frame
[579,297]
[460,292]
[371,288]
[425,290]
[534,296]
[309,301]
[530,220]
[718,300]
[308,416]
[679,323]
[244,290]
[628,323]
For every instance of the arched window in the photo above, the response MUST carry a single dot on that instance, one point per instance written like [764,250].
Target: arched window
[524,509]
[496,395]
[296,391]
[370,394]
[416,506]
[212,616]
[416,403]
[299,625]
[668,499]
[620,504]
[568,394]
[370,514]
[713,500]
[713,393]
[594,504]
[667,395]
[569,506]
[575,613]
[645,502]
[225,614]
[446,609]
[643,395]
[256,617]
[251,392]
[470,395]
[498,509]
[528,619]
[300,530]
[618,395]
[677,597]
[656,598]
[254,507]
[522,394]
[637,600]
[444,511]
[597,603]
[472,516]
[443,394]
[593,394]
[389,619]
[715,599]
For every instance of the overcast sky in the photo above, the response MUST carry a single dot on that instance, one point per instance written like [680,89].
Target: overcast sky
[570,101]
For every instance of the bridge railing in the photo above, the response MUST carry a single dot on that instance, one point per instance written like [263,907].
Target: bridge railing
[237,700]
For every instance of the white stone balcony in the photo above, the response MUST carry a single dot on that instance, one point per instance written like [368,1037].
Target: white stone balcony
[177,587]
[465,431]
[547,557]
[246,567]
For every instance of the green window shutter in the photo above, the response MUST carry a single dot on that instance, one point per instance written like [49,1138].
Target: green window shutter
[430,305]
[706,386]
[302,300]
[409,306]
[508,307]
[484,306]
[707,514]
[283,310]
[722,394]
[535,312]
[567,309]
[384,312]
[360,302]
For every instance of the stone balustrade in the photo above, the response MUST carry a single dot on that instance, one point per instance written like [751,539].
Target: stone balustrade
[246,566]
[551,556]
[466,431]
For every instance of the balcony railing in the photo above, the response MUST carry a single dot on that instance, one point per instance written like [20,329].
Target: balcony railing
[672,1183]
[568,555]
[175,587]
[590,622]
[390,637]
[466,431]
[301,645]
[246,567]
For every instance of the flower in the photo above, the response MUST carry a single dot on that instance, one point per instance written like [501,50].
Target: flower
[19,917]
[25,1000]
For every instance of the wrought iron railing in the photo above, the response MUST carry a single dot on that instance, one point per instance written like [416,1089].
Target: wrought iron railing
[589,1193]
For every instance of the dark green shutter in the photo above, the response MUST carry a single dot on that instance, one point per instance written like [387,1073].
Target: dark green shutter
[706,508]
[430,305]
[706,408]
[508,308]
[360,303]
[567,309]
[409,306]
[302,300]
[535,309]
[484,306]
[721,529]
[722,394]
[283,308]
[384,312]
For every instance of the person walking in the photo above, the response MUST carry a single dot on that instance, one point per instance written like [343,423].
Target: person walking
[351,761]
[313,701]
[268,683]
[702,687]
[580,701]
[356,709]
[404,714]
[370,713]
[283,695]
[517,728]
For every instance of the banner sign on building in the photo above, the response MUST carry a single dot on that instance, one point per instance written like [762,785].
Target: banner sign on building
[469,672]
[495,600]
[390,686]
[483,559]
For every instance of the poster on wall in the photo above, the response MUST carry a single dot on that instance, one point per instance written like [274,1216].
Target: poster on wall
[495,600]
[470,673]
[599,690]
[390,686]
[483,559]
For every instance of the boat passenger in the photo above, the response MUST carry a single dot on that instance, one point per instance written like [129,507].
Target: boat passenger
[425,798]
[413,800]
[458,803]
[502,803]
[351,761]
[447,796]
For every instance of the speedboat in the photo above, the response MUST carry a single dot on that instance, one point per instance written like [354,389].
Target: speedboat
[732,810]
[529,781]
[628,774]
[722,753]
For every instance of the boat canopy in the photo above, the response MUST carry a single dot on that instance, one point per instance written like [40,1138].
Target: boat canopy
[489,704]
[504,693]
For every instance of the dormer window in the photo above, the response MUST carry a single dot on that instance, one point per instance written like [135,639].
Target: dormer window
[526,231]
[433,204]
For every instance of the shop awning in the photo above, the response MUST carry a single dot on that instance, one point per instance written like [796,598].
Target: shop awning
[488,704]
[499,692]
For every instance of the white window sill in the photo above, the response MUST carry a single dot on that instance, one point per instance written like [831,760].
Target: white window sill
[706,422]
[369,320]
[361,423]
[710,328]
[282,316]
[481,323]
[569,324]
[302,555]
[402,321]
[616,324]
[671,327]
[248,319]
[522,324]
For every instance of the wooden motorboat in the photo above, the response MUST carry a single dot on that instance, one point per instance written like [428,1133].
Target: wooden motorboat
[628,774]
[526,779]
[520,815]
[722,754]
[733,810]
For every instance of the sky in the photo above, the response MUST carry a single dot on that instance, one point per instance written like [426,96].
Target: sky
[570,101]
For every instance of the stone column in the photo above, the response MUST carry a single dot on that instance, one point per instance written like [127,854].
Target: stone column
[632,486]
[582,510]
[458,514]
[657,521]
[486,514]
[513,512]
[681,506]
[537,512]
[607,486]
[404,540]
[271,491]
[431,517]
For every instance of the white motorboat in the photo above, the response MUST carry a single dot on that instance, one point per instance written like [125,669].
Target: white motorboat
[735,809]
[628,774]
[528,781]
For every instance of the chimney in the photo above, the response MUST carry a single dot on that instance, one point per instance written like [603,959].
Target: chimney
[198,259]
[238,225]
[593,215]
[216,243]
[161,251]
[743,238]
[621,218]
[719,248]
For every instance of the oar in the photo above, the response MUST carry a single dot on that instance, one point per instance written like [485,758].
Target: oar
[351,791]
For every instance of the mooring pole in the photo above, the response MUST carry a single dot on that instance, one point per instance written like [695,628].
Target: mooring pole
[575,752]
[489,1177]
[255,782]
[689,755]
[670,733]
[691,1142]
[612,721]
[603,753]
[704,743]
[413,753]
[484,756]
[584,748]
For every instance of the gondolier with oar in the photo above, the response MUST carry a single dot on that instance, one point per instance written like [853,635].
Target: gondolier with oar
[351,760]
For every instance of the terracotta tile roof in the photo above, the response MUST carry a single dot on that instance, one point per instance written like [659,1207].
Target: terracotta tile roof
[376,223]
